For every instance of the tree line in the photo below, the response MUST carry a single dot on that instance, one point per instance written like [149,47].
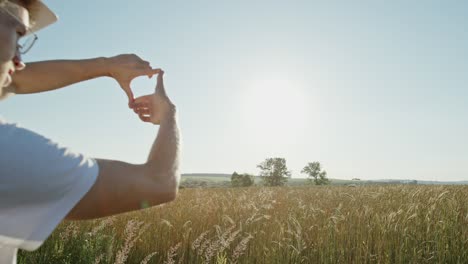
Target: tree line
[274,172]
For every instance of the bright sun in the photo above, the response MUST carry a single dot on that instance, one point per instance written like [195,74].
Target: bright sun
[275,107]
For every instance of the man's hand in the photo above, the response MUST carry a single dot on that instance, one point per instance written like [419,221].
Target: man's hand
[122,187]
[154,107]
[125,68]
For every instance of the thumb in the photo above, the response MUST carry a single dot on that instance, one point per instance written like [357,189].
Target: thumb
[128,92]
[160,84]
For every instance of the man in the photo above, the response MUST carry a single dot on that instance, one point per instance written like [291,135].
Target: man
[42,183]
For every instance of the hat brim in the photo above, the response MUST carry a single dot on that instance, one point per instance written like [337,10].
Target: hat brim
[42,16]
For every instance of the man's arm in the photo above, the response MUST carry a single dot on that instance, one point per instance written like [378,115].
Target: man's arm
[50,75]
[122,187]
[44,76]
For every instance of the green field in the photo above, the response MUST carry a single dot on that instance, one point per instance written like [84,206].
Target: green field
[224,180]
[330,224]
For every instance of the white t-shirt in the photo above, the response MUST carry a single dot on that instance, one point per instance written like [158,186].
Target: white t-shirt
[40,182]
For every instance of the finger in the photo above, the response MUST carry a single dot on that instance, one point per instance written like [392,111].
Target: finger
[137,107]
[160,84]
[142,100]
[144,118]
[128,92]
[137,103]
[145,70]
[144,111]
[152,72]
[141,109]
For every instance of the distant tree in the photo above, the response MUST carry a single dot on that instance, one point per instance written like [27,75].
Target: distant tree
[247,180]
[241,180]
[315,173]
[235,180]
[274,171]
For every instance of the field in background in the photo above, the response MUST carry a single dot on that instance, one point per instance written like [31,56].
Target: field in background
[331,224]
[224,180]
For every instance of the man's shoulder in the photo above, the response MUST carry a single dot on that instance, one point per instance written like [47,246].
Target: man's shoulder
[7,128]
[30,153]
[12,133]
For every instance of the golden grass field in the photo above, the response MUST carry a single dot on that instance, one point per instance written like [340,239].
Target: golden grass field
[332,224]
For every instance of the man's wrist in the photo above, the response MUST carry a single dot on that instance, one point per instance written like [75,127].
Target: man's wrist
[169,116]
[103,66]
[170,112]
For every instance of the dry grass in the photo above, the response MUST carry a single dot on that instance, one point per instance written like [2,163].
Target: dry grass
[388,224]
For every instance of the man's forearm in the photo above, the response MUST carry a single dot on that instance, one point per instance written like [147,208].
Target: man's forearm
[164,157]
[122,187]
[50,75]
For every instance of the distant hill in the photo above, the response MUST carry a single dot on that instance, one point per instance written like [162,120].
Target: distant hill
[203,175]
[392,181]
[225,177]
[218,179]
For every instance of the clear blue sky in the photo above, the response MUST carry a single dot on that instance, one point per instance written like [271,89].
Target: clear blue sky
[371,89]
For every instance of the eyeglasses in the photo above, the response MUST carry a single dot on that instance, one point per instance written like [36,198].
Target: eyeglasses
[25,43]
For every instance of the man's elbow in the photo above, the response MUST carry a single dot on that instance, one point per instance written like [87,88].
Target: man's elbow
[172,189]
[166,191]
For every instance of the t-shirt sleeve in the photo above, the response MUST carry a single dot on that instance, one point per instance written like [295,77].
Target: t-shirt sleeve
[40,182]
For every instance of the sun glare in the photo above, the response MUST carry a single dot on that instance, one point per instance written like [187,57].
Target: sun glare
[275,107]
